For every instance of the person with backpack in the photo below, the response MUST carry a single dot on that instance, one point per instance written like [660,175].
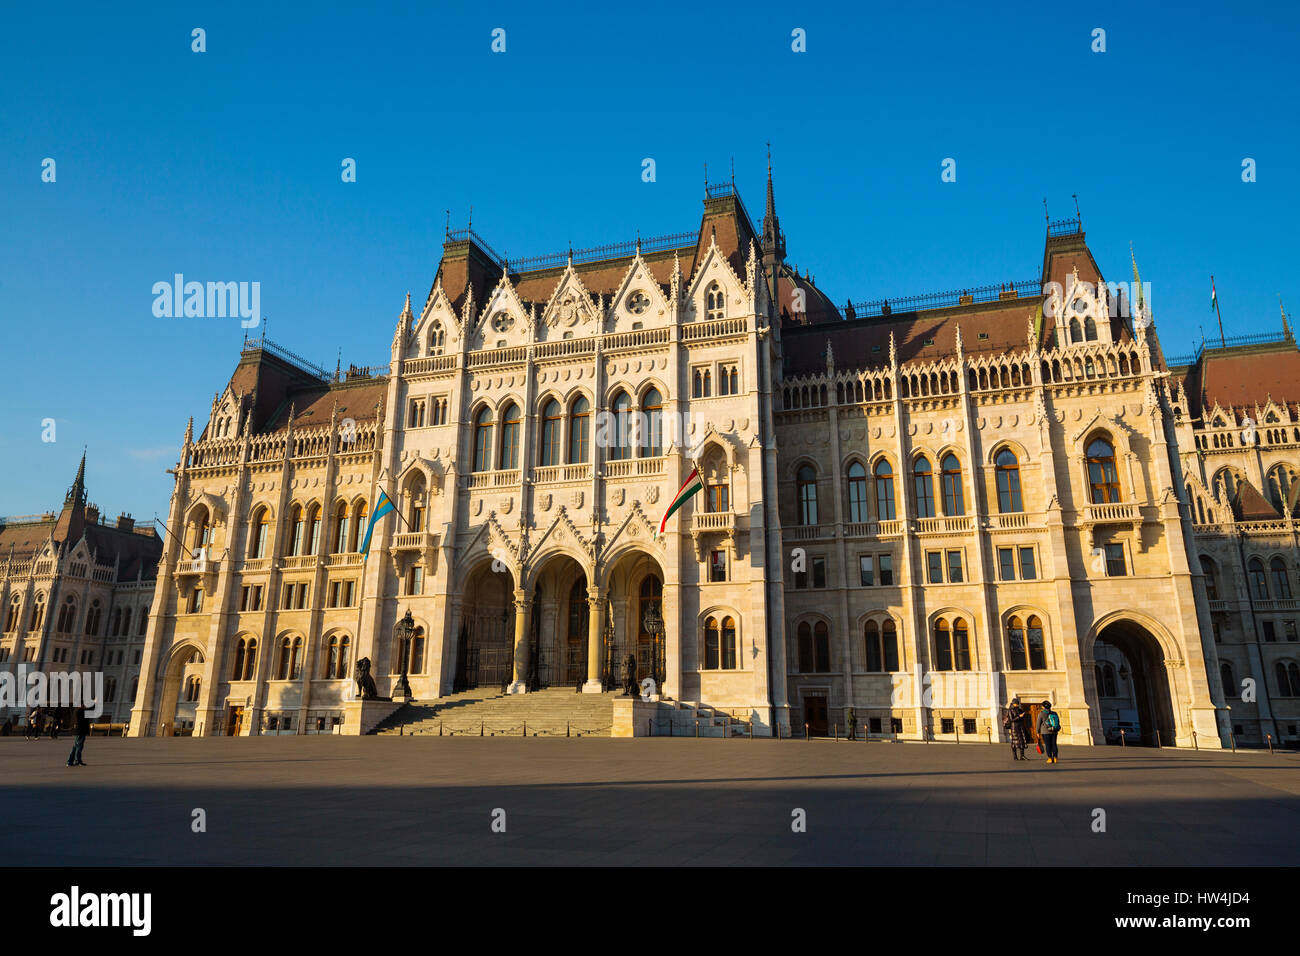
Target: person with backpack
[1013,722]
[1049,725]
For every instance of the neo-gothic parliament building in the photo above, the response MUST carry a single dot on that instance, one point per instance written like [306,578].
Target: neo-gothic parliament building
[913,509]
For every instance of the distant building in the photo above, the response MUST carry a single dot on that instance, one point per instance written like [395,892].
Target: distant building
[75,594]
[918,508]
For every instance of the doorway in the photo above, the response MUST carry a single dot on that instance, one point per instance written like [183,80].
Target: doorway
[235,721]
[815,716]
[1145,676]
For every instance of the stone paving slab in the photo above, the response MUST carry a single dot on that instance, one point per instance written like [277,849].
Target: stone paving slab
[333,801]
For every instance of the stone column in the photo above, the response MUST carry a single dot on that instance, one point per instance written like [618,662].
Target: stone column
[595,626]
[519,684]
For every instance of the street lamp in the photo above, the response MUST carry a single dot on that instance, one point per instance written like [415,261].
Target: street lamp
[610,664]
[653,623]
[402,632]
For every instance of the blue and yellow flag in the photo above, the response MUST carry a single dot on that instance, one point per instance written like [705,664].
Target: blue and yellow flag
[382,507]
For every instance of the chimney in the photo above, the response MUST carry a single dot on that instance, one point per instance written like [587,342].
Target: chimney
[92,514]
[125,522]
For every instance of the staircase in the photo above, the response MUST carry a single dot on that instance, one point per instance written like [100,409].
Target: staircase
[551,712]
[678,719]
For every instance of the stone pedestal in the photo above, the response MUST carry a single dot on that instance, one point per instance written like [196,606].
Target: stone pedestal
[362,716]
[593,686]
[518,687]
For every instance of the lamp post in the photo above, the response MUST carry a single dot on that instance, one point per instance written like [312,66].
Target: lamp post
[653,623]
[608,670]
[402,632]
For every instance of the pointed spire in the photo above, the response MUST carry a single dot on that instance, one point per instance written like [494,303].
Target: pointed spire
[773,240]
[893,352]
[77,493]
[959,345]
[1286,326]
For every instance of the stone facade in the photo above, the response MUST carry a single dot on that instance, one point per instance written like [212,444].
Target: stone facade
[915,509]
[75,595]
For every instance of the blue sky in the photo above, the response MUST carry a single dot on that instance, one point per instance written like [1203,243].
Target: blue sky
[225,165]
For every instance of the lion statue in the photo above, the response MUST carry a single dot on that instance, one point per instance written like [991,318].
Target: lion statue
[365,683]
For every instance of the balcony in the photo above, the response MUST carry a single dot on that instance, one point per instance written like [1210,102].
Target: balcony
[414,541]
[350,559]
[250,565]
[708,521]
[195,566]
[1277,604]
[947,524]
[1115,512]
[1014,522]
[635,467]
[480,480]
[550,474]
[298,562]
[873,529]
[806,532]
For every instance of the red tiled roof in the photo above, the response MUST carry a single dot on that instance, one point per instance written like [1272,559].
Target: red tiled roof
[1244,376]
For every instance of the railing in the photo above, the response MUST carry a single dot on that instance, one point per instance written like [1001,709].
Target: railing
[1277,604]
[946,524]
[634,467]
[616,250]
[553,473]
[430,363]
[873,529]
[713,521]
[939,300]
[640,338]
[1065,227]
[348,559]
[297,562]
[469,235]
[414,540]
[1256,338]
[1218,606]
[565,348]
[493,479]
[1265,527]
[197,566]
[504,356]
[715,329]
[1009,522]
[266,345]
[807,532]
[254,564]
[1114,511]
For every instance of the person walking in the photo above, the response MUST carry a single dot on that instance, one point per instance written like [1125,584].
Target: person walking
[34,720]
[1014,723]
[851,722]
[82,729]
[1049,725]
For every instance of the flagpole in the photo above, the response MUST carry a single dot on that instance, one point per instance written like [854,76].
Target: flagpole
[1222,340]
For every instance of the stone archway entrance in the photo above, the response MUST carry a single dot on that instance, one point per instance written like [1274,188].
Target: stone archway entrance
[485,645]
[182,686]
[1142,682]
[559,625]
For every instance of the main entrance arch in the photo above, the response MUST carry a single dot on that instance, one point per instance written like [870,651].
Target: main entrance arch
[1132,683]
[635,585]
[485,642]
[559,624]
[182,686]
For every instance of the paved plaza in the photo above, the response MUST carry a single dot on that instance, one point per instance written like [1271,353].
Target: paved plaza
[411,801]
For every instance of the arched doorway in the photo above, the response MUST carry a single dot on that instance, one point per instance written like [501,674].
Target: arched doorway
[559,624]
[485,646]
[1135,688]
[635,587]
[182,689]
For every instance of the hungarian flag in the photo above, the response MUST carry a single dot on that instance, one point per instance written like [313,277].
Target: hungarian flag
[691,486]
[1214,296]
